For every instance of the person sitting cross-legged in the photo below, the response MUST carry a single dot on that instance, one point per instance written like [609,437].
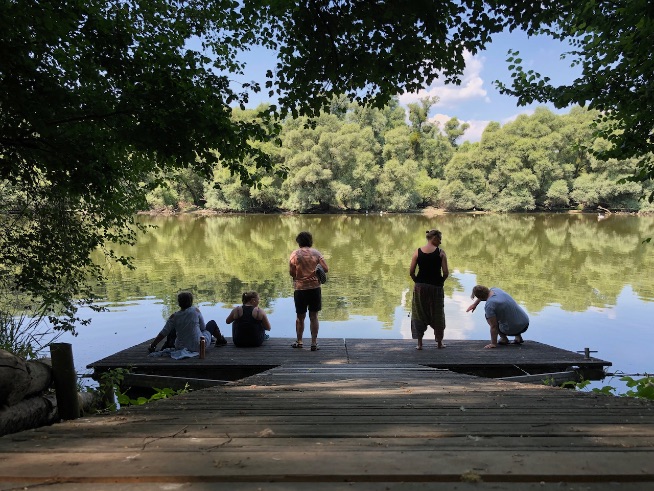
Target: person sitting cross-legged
[185,328]
[250,323]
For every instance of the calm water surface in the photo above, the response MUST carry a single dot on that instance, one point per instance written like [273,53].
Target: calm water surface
[584,282]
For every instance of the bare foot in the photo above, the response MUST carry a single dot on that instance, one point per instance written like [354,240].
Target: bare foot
[418,347]
[441,345]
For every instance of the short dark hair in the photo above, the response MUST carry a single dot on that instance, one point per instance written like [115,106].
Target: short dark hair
[247,296]
[184,299]
[481,292]
[304,239]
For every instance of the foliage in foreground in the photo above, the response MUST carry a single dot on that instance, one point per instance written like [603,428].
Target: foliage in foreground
[109,388]
[641,388]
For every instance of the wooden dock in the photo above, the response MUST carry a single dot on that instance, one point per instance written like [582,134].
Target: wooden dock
[229,363]
[348,426]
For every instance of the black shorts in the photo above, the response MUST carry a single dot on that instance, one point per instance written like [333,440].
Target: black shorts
[311,299]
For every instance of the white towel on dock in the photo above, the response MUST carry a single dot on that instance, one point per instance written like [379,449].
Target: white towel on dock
[176,354]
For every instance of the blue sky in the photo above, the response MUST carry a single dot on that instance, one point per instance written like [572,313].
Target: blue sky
[475,101]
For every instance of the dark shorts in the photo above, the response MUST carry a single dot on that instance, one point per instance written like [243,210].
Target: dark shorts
[307,299]
[512,333]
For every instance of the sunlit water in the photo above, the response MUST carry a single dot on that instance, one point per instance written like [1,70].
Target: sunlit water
[584,282]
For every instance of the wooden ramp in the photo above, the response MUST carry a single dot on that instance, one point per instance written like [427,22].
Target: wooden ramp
[232,363]
[372,427]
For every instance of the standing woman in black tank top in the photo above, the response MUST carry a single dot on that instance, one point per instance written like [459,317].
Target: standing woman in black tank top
[428,304]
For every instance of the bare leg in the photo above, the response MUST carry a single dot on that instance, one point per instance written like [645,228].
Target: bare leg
[419,347]
[299,327]
[314,325]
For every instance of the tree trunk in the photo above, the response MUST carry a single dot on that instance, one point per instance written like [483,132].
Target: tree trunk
[20,379]
[28,413]
[36,412]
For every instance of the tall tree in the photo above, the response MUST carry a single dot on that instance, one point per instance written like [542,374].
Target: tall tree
[611,43]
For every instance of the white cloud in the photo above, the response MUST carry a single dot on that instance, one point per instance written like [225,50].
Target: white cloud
[473,134]
[472,86]
[477,127]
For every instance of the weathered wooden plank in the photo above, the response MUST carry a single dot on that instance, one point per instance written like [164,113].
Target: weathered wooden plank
[207,442]
[303,425]
[336,486]
[326,464]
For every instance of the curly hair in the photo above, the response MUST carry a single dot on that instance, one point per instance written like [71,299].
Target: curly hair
[304,239]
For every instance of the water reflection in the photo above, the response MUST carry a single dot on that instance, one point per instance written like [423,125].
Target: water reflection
[572,261]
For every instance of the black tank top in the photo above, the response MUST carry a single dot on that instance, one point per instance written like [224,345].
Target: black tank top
[429,268]
[246,330]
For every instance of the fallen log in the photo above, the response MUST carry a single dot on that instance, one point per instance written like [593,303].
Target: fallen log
[28,413]
[20,379]
[38,411]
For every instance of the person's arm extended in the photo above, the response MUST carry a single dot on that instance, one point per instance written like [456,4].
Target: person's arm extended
[494,332]
[474,305]
[162,334]
[153,345]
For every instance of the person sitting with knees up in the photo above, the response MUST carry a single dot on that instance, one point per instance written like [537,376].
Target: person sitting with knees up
[503,314]
[250,322]
[187,327]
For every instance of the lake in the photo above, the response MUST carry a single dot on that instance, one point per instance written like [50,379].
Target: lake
[585,281]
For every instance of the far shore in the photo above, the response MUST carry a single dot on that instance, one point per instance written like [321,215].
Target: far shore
[428,212]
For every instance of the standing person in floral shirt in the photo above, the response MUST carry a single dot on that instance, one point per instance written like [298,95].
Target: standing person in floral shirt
[307,295]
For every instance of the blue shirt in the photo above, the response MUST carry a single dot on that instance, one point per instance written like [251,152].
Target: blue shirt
[511,318]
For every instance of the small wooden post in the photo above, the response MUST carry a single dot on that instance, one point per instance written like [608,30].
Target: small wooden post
[65,380]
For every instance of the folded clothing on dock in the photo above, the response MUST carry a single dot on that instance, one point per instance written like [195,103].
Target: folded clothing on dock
[176,354]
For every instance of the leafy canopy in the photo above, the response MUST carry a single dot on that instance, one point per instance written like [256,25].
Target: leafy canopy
[611,43]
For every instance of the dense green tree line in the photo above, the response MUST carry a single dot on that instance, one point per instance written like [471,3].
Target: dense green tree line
[359,158]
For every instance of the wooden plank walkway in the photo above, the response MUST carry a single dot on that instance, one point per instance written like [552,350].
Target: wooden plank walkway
[464,356]
[356,426]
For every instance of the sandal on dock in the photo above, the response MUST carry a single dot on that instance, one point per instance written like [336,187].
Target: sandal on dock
[297,344]
[314,347]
